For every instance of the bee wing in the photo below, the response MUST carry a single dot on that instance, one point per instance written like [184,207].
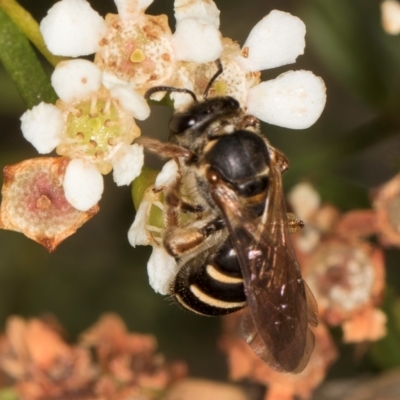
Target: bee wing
[281,306]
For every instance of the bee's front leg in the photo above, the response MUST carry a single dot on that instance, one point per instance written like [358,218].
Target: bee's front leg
[182,240]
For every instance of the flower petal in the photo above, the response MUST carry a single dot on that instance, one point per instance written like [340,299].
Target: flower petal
[76,79]
[304,200]
[130,8]
[293,100]
[162,269]
[196,41]
[278,39]
[137,234]
[72,28]
[83,184]
[200,9]
[43,127]
[127,164]
[131,101]
[390,10]
[167,176]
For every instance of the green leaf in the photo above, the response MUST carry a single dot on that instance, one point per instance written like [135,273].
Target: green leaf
[348,38]
[22,65]
[386,352]
[141,183]
[8,394]
[28,25]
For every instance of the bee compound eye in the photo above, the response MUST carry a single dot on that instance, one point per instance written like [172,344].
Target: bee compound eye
[181,122]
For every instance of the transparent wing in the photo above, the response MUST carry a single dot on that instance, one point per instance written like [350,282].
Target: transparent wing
[281,306]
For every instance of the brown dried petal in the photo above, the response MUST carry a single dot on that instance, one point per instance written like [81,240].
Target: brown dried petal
[386,201]
[34,202]
[367,325]
[357,224]
[44,366]
[111,337]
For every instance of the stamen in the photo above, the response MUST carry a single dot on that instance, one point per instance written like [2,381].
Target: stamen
[93,108]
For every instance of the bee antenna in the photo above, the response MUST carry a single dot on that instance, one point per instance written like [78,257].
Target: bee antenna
[220,70]
[169,89]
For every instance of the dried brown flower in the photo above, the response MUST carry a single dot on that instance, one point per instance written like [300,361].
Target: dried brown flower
[345,277]
[34,202]
[386,202]
[128,362]
[44,366]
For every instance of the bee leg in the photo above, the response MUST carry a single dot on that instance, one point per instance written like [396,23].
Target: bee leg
[173,200]
[295,224]
[178,241]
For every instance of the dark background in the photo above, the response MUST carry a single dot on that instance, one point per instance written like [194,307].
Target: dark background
[353,147]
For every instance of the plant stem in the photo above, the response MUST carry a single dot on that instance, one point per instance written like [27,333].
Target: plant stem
[28,25]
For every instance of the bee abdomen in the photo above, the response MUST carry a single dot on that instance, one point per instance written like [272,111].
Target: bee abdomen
[215,287]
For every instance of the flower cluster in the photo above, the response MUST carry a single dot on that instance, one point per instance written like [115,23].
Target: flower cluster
[93,122]
[43,366]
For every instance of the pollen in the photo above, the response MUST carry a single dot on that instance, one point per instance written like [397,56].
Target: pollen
[220,88]
[137,56]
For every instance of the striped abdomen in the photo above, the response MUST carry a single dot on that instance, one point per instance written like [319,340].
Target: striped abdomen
[213,287]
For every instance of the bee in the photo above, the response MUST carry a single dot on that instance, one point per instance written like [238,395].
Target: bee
[235,250]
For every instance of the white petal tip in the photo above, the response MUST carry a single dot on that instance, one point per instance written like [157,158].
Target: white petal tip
[127,164]
[137,234]
[278,39]
[305,200]
[390,10]
[167,176]
[43,127]
[293,100]
[72,28]
[76,79]
[205,10]
[83,184]
[196,41]
[162,269]
[131,101]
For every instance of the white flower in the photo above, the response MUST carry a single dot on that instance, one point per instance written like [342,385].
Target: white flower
[293,100]
[146,230]
[132,46]
[91,125]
